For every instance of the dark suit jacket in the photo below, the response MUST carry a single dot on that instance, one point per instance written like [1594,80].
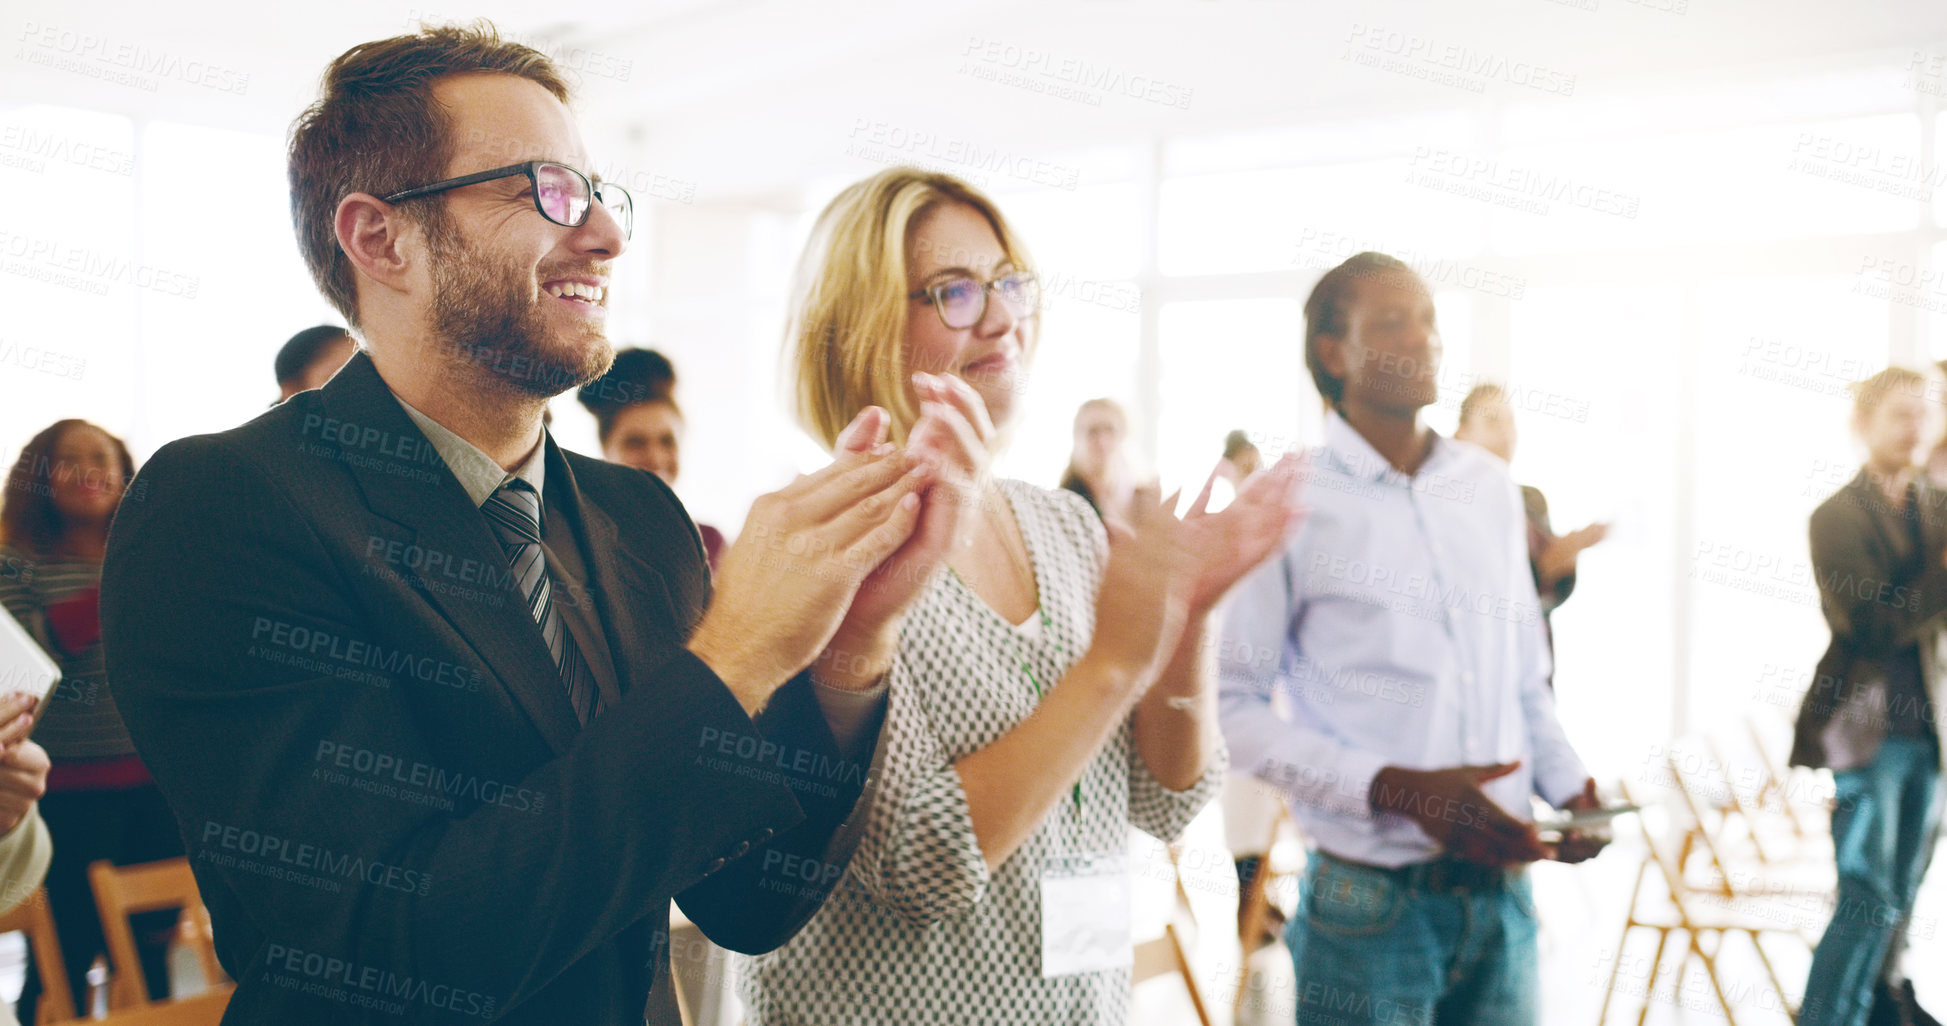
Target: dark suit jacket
[1873,615]
[390,807]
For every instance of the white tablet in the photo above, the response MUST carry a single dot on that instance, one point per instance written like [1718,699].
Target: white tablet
[23,665]
[1593,821]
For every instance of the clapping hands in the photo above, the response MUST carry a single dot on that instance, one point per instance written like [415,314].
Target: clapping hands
[1225,546]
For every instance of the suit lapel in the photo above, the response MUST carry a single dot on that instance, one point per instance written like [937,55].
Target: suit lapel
[430,510]
[1933,538]
[1933,517]
[1867,498]
[637,610]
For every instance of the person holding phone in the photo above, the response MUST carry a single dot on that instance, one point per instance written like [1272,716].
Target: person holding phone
[1400,628]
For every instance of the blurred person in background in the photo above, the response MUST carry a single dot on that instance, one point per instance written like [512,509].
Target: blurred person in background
[60,497]
[637,375]
[1241,458]
[1387,669]
[1047,687]
[311,357]
[1936,460]
[1487,420]
[640,425]
[1871,715]
[1098,466]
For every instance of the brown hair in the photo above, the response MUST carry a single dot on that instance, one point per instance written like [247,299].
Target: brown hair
[28,517]
[606,416]
[376,129]
[1325,312]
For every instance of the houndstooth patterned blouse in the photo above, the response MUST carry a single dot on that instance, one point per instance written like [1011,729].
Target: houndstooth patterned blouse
[918,930]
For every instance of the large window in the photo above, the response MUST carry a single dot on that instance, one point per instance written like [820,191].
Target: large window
[1087,249]
[70,277]
[1231,365]
[1772,358]
[215,215]
[151,275]
[1676,299]
[1593,378]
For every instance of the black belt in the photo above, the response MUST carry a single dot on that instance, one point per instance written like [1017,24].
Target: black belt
[1445,875]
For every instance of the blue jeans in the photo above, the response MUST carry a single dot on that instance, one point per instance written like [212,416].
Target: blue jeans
[1378,948]
[1883,822]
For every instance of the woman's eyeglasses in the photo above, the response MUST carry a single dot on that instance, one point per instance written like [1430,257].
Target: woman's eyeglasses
[962,302]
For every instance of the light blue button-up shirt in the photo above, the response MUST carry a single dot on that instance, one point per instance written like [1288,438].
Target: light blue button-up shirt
[1399,627]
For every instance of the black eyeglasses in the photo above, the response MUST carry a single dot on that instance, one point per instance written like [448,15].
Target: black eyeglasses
[962,302]
[562,194]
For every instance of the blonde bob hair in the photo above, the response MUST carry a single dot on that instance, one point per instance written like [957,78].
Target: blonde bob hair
[846,340]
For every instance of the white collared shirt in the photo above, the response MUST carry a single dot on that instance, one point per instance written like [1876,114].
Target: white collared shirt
[1399,627]
[477,472]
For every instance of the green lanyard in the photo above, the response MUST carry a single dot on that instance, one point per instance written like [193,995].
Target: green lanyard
[1048,628]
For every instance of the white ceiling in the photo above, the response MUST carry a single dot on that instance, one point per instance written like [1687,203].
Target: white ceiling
[749,97]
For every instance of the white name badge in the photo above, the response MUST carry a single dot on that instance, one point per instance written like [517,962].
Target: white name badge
[1086,903]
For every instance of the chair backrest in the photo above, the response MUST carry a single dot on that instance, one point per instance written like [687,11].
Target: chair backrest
[122,891]
[204,1009]
[1166,954]
[1669,864]
[1706,825]
[33,918]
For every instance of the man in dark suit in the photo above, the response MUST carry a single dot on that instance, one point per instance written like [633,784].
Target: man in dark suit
[1879,554]
[448,715]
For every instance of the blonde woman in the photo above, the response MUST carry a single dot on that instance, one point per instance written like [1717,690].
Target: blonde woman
[1047,686]
[1098,467]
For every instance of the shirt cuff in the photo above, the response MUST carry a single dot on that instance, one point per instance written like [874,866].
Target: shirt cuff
[849,712]
[1561,780]
[1356,771]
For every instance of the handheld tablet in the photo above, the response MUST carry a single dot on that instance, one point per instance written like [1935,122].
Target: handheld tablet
[1596,821]
[1582,819]
[24,667]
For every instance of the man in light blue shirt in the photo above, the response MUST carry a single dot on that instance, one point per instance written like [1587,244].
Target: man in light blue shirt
[1388,673]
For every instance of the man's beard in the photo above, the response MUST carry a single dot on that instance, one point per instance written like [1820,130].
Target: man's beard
[485,318]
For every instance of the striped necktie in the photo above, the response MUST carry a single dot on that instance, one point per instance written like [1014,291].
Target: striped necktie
[514,510]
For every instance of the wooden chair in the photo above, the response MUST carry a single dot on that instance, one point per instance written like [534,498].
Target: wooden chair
[1724,843]
[203,1009]
[1256,895]
[122,891]
[1166,954]
[1756,813]
[1783,784]
[33,918]
[680,923]
[1695,912]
